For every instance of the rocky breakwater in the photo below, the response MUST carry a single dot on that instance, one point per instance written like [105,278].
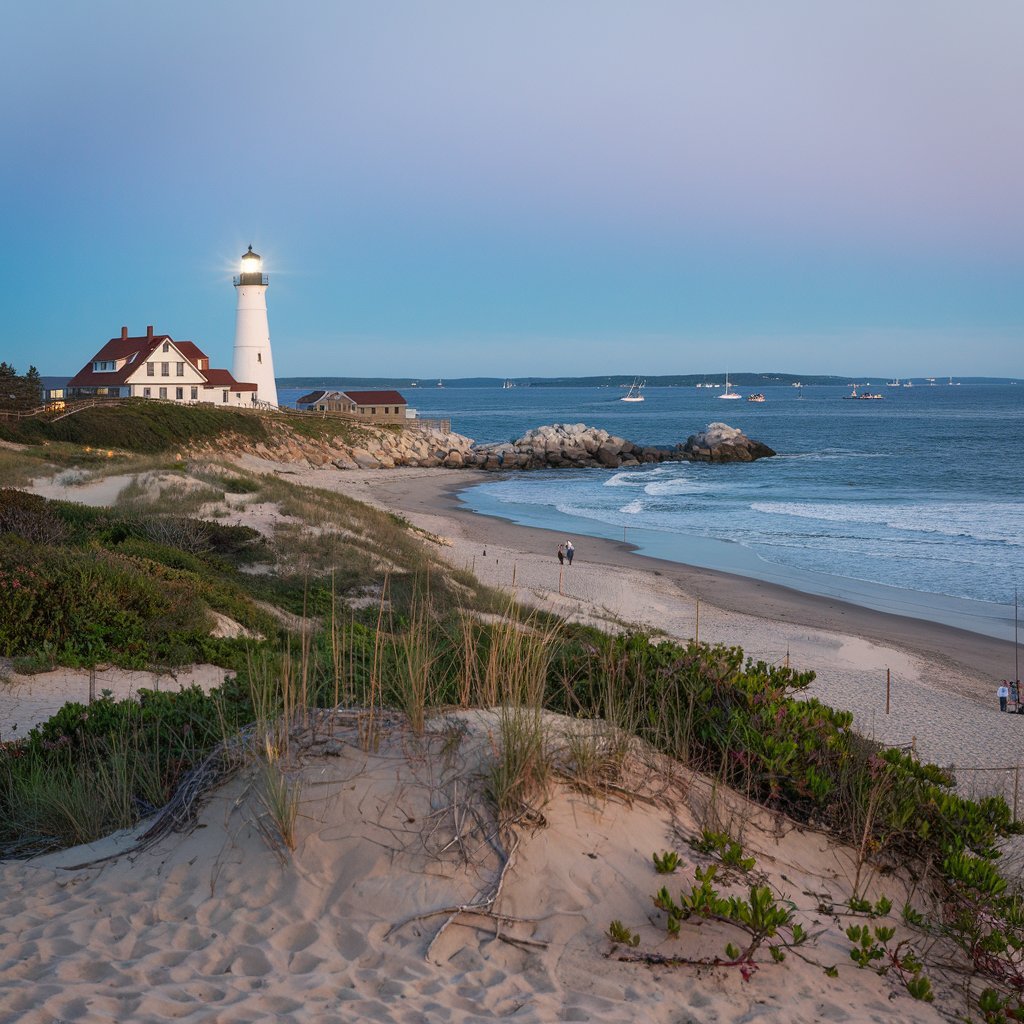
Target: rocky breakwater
[563,445]
[557,446]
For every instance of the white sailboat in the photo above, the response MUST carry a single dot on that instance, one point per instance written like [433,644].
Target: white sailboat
[728,392]
[633,394]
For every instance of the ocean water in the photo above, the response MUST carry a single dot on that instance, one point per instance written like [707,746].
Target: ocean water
[912,504]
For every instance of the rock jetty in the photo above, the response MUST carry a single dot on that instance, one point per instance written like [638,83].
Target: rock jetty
[567,445]
[559,445]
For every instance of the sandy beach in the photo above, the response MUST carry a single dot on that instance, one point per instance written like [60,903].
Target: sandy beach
[400,904]
[942,680]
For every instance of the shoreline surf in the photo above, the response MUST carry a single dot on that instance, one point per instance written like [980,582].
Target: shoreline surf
[987,618]
[437,493]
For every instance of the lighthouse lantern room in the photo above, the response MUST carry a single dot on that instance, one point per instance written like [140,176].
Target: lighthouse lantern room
[253,359]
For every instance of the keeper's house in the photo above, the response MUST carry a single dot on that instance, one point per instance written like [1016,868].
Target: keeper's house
[379,406]
[157,366]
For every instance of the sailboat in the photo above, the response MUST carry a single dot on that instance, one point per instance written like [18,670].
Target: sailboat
[633,394]
[508,384]
[728,392]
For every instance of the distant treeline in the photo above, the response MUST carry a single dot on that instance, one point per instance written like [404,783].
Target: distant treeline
[609,380]
[682,380]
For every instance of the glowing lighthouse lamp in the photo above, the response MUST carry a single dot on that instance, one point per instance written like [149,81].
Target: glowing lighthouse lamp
[253,360]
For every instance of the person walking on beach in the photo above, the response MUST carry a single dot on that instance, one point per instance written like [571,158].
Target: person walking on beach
[569,551]
[561,553]
[1003,693]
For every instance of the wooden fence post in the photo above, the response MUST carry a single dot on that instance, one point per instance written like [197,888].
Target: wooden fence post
[887,687]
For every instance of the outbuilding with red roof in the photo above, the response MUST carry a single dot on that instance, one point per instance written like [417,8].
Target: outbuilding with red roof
[379,406]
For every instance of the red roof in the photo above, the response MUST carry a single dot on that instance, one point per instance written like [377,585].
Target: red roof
[376,397]
[193,353]
[223,379]
[143,348]
[121,348]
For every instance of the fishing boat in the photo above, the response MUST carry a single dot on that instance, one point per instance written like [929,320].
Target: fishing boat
[894,383]
[756,397]
[728,392]
[861,395]
[633,394]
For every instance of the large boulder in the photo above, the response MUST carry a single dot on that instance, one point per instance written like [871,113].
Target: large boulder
[719,442]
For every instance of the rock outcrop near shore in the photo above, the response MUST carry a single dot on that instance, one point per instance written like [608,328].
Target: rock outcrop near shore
[559,445]
[562,445]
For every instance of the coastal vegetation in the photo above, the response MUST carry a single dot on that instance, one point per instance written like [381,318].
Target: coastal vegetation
[143,426]
[336,605]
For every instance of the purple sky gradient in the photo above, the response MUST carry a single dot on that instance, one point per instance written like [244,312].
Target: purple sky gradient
[525,188]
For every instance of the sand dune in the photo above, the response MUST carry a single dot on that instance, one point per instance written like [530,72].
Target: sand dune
[359,924]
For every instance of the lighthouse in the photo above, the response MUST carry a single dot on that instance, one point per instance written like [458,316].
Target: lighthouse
[253,361]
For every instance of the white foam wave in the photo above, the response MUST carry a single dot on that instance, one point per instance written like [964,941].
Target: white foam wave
[632,479]
[677,486]
[633,508]
[998,523]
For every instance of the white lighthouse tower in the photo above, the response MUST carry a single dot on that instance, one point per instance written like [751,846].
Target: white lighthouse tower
[253,361]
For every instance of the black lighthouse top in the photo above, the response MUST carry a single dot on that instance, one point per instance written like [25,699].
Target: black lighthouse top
[251,273]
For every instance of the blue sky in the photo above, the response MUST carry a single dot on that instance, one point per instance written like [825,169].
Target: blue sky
[462,188]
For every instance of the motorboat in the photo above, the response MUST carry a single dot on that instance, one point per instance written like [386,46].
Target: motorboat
[861,396]
[756,397]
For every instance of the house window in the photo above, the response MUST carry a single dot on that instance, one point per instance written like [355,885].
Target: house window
[195,394]
[165,369]
[179,393]
[238,395]
[167,346]
[225,397]
[180,369]
[147,392]
[373,410]
[163,392]
[150,370]
[259,357]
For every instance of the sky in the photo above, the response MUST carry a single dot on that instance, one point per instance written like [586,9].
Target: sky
[448,188]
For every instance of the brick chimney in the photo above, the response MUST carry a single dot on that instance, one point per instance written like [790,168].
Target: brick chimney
[149,332]
[124,333]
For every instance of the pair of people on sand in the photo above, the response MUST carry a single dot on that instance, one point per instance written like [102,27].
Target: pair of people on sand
[565,552]
[1010,691]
